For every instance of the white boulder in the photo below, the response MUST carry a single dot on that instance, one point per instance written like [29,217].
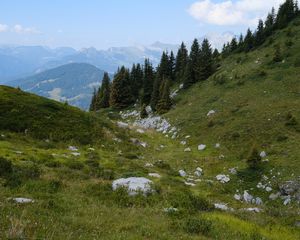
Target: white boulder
[201,147]
[134,185]
[223,178]
[73,148]
[263,154]
[122,125]
[211,112]
[237,197]
[23,200]
[247,197]
[182,173]
[155,175]
[187,149]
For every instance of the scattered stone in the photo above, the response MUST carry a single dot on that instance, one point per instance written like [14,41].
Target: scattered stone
[198,172]
[134,185]
[290,187]
[73,148]
[123,125]
[23,200]
[221,156]
[138,142]
[188,136]
[258,201]
[211,112]
[76,154]
[255,210]
[140,131]
[269,189]
[190,184]
[148,165]
[274,196]
[237,197]
[182,173]
[170,210]
[2,135]
[247,197]
[91,149]
[233,171]
[223,178]
[263,154]
[218,145]
[187,149]
[18,152]
[223,207]
[297,224]
[201,147]
[287,201]
[183,142]
[155,175]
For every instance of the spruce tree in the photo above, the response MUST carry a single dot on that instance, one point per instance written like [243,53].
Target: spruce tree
[103,94]
[136,80]
[156,91]
[233,44]
[205,61]
[121,96]
[187,77]
[181,62]
[147,82]
[194,61]
[260,33]
[165,103]
[269,23]
[93,101]
[172,67]
[248,41]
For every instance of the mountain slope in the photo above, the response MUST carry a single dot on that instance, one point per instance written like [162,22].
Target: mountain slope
[256,101]
[42,118]
[73,82]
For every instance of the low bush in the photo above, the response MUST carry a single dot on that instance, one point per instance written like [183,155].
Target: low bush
[197,225]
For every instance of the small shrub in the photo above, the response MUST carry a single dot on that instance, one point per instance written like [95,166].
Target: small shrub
[219,79]
[6,167]
[262,73]
[75,165]
[291,120]
[143,113]
[254,159]
[282,138]
[288,43]
[277,54]
[210,123]
[194,225]
[53,164]
[162,164]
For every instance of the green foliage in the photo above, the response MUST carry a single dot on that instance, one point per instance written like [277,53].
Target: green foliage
[198,225]
[254,159]
[144,113]
[277,54]
[5,167]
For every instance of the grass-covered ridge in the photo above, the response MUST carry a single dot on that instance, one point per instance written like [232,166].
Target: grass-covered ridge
[46,119]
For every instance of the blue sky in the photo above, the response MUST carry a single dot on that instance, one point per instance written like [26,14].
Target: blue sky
[107,23]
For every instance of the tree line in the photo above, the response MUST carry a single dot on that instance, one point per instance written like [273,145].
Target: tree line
[147,85]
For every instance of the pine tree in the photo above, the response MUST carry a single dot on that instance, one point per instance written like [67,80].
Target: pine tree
[277,55]
[172,67]
[205,60]
[248,41]
[155,96]
[165,103]
[269,23]
[286,13]
[103,94]
[93,101]
[233,44]
[187,77]
[121,96]
[260,33]
[194,61]
[147,82]
[181,62]
[136,80]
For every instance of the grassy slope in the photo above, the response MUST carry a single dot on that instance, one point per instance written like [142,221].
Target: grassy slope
[75,201]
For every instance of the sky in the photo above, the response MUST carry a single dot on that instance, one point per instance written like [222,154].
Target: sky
[114,23]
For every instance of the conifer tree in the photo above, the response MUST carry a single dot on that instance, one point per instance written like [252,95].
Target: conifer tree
[187,77]
[155,96]
[136,80]
[121,96]
[164,104]
[248,41]
[93,101]
[260,33]
[147,82]
[269,23]
[181,62]
[205,61]
[194,61]
[103,94]
[233,44]
[172,67]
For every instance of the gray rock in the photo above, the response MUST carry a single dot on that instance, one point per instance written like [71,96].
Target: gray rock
[155,175]
[290,187]
[201,147]
[274,196]
[237,197]
[263,154]
[211,112]
[23,200]
[182,173]
[187,149]
[134,185]
[122,125]
[223,178]
[247,197]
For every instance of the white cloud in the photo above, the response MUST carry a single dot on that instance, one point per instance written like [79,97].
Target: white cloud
[3,28]
[21,30]
[240,12]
